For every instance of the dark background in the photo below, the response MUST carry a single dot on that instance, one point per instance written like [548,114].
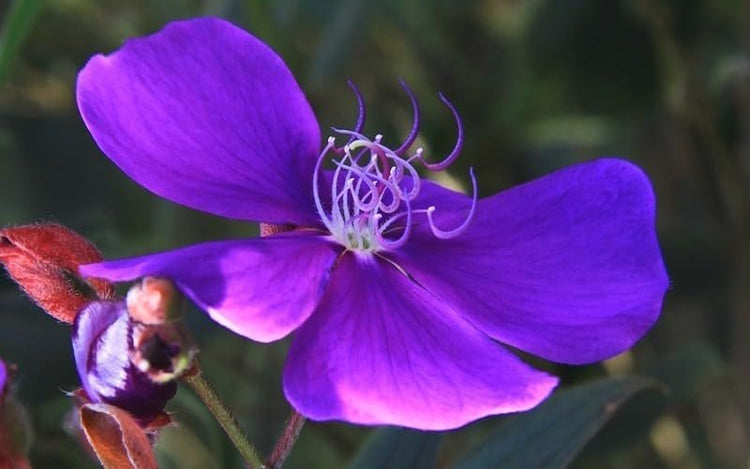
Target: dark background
[540,84]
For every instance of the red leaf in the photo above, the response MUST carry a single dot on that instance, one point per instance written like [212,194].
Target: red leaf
[117,440]
[43,259]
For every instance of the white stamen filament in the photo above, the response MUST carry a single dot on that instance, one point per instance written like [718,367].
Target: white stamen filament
[375,195]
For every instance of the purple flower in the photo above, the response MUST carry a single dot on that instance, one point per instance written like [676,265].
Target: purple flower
[398,290]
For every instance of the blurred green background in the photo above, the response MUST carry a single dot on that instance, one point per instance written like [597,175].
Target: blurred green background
[540,84]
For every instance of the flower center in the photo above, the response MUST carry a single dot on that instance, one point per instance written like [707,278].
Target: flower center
[373,186]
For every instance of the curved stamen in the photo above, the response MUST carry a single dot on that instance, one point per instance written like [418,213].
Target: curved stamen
[353,133]
[362,110]
[348,185]
[383,153]
[385,226]
[353,137]
[415,180]
[336,215]
[401,240]
[373,186]
[361,116]
[396,197]
[461,228]
[448,160]
[316,175]
[367,179]
[415,125]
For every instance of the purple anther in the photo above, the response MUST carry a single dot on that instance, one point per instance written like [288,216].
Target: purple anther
[415,126]
[459,141]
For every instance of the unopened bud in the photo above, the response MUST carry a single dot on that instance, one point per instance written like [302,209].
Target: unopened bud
[128,364]
[163,352]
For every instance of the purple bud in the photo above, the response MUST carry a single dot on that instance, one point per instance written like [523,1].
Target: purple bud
[125,363]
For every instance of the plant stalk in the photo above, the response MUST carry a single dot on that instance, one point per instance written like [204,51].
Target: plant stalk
[287,439]
[225,418]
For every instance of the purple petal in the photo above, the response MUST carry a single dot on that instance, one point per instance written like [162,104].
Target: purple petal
[205,115]
[101,338]
[566,267]
[382,350]
[260,288]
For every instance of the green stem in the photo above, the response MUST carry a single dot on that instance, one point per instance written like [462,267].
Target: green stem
[227,421]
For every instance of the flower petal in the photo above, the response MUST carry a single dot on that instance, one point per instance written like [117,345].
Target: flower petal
[382,350]
[566,267]
[259,288]
[206,115]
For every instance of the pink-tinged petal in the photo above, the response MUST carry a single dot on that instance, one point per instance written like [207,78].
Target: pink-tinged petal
[206,115]
[382,350]
[566,267]
[260,288]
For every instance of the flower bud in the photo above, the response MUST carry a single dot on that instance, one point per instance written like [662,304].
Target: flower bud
[161,351]
[155,300]
[43,259]
[128,363]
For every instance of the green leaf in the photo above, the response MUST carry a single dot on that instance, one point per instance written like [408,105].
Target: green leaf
[15,29]
[397,448]
[551,435]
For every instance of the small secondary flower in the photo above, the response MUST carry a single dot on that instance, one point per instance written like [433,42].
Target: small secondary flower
[397,290]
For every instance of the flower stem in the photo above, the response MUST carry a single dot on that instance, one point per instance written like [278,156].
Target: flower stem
[222,415]
[286,440]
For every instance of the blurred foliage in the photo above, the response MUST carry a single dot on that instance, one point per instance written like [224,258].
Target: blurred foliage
[398,448]
[553,433]
[540,84]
